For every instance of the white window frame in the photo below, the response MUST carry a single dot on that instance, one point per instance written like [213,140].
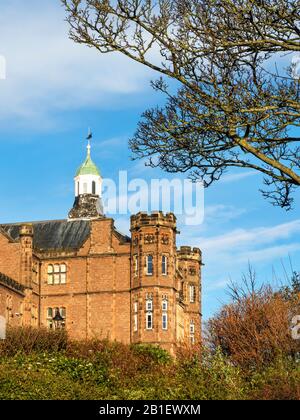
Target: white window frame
[192,327]
[135,322]
[164,305]
[149,273]
[149,316]
[164,265]
[192,293]
[57,274]
[149,305]
[164,321]
[135,265]
[135,316]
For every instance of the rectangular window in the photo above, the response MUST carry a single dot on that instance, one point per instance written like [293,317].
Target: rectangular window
[164,267]
[57,274]
[164,321]
[135,316]
[50,318]
[51,313]
[63,273]
[149,305]
[62,312]
[192,332]
[135,322]
[149,314]
[135,265]
[192,293]
[164,305]
[149,265]
[149,320]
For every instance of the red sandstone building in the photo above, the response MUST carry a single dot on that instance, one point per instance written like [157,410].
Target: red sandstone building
[83,275]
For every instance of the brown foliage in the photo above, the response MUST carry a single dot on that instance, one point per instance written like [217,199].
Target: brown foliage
[255,328]
[27,340]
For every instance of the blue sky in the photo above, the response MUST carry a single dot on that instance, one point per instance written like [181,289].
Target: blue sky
[55,89]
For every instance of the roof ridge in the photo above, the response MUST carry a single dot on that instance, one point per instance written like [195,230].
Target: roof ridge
[34,222]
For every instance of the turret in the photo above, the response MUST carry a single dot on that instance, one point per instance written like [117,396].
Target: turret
[189,262]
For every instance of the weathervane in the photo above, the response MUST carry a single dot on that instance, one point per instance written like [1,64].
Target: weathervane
[90,135]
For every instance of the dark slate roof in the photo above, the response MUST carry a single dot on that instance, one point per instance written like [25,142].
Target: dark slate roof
[52,235]
[7,281]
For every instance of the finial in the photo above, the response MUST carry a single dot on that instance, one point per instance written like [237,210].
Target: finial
[89,137]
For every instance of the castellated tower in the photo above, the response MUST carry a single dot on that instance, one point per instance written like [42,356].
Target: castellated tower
[165,283]
[153,284]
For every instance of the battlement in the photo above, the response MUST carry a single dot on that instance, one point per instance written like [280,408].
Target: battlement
[187,252]
[26,230]
[156,218]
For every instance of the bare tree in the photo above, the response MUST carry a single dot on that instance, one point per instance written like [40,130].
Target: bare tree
[233,108]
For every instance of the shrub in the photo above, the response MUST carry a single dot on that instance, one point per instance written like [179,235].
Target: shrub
[253,330]
[279,381]
[27,340]
[151,354]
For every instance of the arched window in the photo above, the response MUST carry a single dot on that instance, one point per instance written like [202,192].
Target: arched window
[94,187]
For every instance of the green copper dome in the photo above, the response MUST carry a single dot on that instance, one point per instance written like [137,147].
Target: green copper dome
[88,167]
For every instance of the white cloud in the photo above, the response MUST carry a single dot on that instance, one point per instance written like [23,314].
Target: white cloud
[227,255]
[270,253]
[47,72]
[237,176]
[222,212]
[252,237]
